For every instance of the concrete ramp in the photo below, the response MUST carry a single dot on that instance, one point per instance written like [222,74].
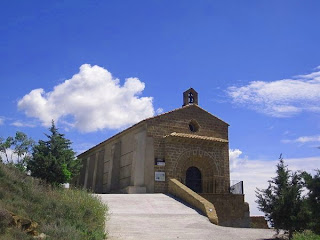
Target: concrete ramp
[160,216]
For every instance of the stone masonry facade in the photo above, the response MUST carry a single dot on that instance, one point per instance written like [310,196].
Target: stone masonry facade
[211,157]
[108,167]
[191,145]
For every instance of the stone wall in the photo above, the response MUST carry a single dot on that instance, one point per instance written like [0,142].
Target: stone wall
[128,157]
[179,190]
[174,151]
[123,164]
[209,158]
[106,179]
[259,222]
[231,209]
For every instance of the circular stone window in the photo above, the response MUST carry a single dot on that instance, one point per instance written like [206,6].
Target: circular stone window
[194,126]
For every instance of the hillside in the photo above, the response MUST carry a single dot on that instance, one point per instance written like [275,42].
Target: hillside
[26,205]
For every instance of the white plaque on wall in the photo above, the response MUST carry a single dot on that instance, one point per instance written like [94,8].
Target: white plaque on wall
[160,162]
[160,176]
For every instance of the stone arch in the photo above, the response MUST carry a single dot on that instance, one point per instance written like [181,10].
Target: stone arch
[197,158]
[212,181]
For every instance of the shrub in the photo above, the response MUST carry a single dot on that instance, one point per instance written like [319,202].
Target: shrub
[60,213]
[306,235]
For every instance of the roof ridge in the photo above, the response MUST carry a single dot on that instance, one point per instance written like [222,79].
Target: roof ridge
[132,126]
[147,119]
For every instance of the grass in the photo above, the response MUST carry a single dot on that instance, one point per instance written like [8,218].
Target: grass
[62,214]
[306,235]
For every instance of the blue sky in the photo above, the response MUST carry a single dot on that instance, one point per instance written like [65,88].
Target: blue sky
[253,63]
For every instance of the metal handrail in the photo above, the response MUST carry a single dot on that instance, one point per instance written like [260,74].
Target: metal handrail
[237,188]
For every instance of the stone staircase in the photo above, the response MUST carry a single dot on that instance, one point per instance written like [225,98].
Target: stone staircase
[161,216]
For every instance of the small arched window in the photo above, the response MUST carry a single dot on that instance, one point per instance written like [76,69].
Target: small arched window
[194,126]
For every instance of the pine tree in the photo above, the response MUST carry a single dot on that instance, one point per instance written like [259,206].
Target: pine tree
[53,160]
[282,202]
[312,183]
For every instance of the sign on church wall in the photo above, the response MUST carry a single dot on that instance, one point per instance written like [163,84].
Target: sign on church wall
[159,162]
[160,176]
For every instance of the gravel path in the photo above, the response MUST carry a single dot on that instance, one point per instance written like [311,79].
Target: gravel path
[159,216]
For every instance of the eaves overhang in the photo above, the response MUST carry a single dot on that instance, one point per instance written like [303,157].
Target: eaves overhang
[184,137]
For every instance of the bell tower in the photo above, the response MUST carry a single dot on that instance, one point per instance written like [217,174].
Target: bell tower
[190,97]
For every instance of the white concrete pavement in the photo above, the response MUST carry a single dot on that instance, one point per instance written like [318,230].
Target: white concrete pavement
[159,216]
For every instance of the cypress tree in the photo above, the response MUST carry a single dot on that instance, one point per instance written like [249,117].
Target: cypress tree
[282,202]
[312,183]
[53,160]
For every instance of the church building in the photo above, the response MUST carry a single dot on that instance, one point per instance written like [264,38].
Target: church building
[188,144]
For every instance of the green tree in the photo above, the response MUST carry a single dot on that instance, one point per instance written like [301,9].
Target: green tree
[5,144]
[16,150]
[282,202]
[312,183]
[53,160]
[22,148]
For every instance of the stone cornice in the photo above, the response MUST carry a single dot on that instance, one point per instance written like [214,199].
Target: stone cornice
[185,136]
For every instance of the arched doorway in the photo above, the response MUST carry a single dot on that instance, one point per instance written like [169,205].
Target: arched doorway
[193,179]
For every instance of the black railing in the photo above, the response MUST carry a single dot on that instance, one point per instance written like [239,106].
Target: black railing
[236,187]
[215,185]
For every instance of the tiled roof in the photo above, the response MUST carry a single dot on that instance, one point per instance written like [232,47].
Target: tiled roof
[192,136]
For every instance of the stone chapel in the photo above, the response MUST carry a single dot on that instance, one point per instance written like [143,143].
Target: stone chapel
[188,144]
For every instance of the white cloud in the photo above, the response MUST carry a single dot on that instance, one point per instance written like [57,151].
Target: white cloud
[1,120]
[308,139]
[280,98]
[159,110]
[93,99]
[235,159]
[256,173]
[22,124]
[303,139]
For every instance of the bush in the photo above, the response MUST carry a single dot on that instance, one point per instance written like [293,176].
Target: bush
[61,213]
[306,235]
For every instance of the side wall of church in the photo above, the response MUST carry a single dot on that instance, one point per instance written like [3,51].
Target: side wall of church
[126,160]
[92,170]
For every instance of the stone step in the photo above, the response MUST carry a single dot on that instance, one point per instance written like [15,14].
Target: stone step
[161,216]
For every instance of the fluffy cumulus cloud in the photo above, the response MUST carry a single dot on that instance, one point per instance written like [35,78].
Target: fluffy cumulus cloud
[256,173]
[280,98]
[93,99]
